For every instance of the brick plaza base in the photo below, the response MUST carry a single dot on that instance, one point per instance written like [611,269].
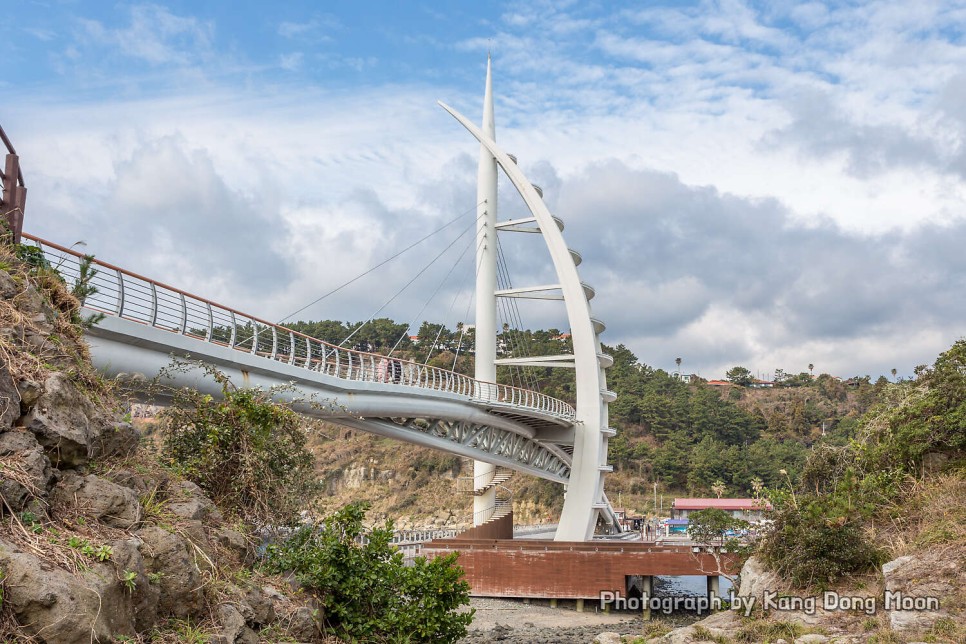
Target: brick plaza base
[527,568]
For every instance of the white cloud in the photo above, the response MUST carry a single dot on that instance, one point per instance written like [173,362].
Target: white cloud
[155,35]
[743,192]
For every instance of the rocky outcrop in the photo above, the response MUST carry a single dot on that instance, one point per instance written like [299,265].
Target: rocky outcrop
[56,606]
[97,498]
[27,471]
[923,589]
[79,559]
[756,579]
[9,398]
[71,428]
[167,556]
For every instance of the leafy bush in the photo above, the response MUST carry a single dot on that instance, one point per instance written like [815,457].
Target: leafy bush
[815,541]
[927,417]
[245,451]
[366,592]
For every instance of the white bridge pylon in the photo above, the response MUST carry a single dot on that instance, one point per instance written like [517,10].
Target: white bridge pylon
[585,500]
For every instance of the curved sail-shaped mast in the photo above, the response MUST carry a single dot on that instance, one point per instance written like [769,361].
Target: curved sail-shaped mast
[585,497]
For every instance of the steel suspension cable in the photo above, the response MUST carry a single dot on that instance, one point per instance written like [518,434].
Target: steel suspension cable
[419,314]
[517,320]
[382,263]
[408,284]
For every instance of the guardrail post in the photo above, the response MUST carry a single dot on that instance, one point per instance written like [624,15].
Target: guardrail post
[154,304]
[184,315]
[119,309]
[234,331]
[211,324]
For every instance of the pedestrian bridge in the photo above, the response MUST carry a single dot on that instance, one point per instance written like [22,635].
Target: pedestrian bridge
[142,325]
[146,324]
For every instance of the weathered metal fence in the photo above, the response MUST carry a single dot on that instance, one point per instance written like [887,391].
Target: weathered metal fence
[13,200]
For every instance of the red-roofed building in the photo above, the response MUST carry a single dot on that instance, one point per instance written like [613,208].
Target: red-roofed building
[747,509]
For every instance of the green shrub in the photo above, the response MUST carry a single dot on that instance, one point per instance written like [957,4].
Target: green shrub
[365,591]
[245,451]
[813,542]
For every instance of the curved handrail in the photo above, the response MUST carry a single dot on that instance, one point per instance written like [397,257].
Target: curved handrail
[123,294]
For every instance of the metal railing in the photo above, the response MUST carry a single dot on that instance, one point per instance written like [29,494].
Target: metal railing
[483,482]
[501,507]
[121,293]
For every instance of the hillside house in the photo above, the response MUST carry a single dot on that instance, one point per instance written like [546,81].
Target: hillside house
[751,510]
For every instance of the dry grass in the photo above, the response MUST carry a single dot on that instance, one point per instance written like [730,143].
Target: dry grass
[933,514]
[32,347]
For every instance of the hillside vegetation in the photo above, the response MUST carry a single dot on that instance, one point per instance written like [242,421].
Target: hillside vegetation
[687,438]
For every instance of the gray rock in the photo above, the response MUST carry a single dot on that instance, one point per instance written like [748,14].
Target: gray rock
[189,502]
[127,558]
[888,569]
[64,608]
[197,537]
[167,554]
[65,422]
[755,579]
[98,498]
[8,286]
[118,439]
[301,624]
[29,394]
[811,638]
[9,398]
[231,620]
[263,608]
[35,472]
[233,541]
[920,576]
[608,638]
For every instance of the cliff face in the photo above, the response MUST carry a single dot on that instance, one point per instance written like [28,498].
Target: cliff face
[414,486]
[97,541]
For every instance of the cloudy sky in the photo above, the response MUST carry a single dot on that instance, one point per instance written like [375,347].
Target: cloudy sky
[764,184]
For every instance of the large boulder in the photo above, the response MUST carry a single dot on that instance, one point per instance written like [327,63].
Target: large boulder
[756,580]
[144,593]
[65,422]
[27,473]
[97,498]
[924,588]
[188,501]
[56,606]
[8,286]
[72,429]
[168,556]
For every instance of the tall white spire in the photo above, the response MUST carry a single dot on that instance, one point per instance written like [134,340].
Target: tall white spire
[486,254]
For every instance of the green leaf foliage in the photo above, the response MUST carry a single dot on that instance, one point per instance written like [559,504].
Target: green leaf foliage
[245,451]
[819,532]
[366,592]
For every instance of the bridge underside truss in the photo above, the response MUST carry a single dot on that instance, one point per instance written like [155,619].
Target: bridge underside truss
[481,442]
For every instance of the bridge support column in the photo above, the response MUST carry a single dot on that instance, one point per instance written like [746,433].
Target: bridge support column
[714,586]
[647,585]
[483,473]
[580,604]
